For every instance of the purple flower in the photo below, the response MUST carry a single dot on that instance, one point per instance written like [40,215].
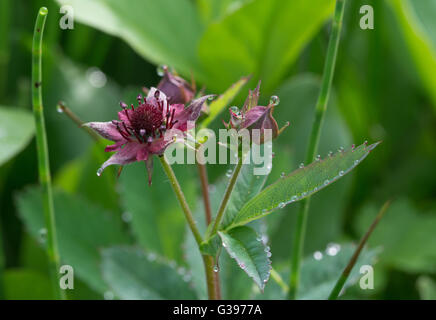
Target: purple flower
[175,87]
[146,130]
[253,116]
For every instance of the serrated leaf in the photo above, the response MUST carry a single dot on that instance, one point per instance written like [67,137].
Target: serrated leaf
[133,275]
[82,229]
[301,183]
[16,130]
[243,244]
[218,105]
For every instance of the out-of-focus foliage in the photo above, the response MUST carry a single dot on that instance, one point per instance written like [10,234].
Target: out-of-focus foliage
[384,89]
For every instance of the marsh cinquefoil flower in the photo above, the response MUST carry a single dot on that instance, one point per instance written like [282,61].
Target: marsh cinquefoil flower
[146,130]
[177,89]
[253,116]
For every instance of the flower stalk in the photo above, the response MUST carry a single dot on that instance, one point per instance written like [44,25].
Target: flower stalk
[43,156]
[226,198]
[321,108]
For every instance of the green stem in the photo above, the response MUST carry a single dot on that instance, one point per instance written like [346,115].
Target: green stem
[346,273]
[205,191]
[320,111]
[211,279]
[43,158]
[182,200]
[226,198]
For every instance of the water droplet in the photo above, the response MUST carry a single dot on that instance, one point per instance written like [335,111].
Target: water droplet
[301,165]
[318,157]
[356,162]
[304,194]
[229,173]
[187,277]
[42,235]
[330,153]
[235,110]
[152,256]
[99,171]
[282,205]
[333,249]
[326,182]
[264,210]
[126,216]
[294,198]
[267,249]
[259,238]
[366,142]
[265,280]
[160,70]
[96,77]
[224,245]
[108,295]
[269,254]
[210,98]
[282,175]
[216,268]
[317,255]
[242,266]
[59,109]
[341,149]
[181,271]
[274,100]
[341,173]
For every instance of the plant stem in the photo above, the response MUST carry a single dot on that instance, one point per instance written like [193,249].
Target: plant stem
[226,198]
[346,273]
[70,114]
[212,288]
[205,191]
[321,107]
[43,158]
[182,200]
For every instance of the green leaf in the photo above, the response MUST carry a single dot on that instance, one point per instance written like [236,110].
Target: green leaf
[218,105]
[132,274]
[417,24]
[82,229]
[16,130]
[247,186]
[158,226]
[261,37]
[164,32]
[426,287]
[301,183]
[319,276]
[406,234]
[26,284]
[252,256]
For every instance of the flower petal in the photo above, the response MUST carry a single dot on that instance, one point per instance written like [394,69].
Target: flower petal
[191,113]
[124,156]
[155,95]
[176,89]
[107,130]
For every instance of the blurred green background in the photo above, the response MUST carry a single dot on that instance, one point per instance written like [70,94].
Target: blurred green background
[384,89]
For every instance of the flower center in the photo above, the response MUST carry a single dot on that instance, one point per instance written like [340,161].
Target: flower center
[146,117]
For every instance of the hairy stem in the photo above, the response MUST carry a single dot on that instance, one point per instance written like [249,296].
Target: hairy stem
[226,197]
[346,273]
[207,260]
[321,107]
[43,157]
